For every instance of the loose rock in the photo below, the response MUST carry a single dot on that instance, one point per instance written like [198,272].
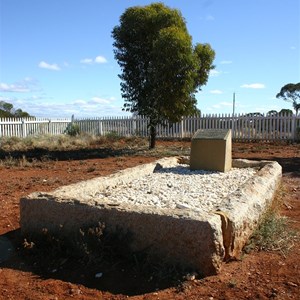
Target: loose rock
[179,187]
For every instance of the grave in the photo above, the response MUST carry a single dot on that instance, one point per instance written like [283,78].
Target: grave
[211,150]
[199,239]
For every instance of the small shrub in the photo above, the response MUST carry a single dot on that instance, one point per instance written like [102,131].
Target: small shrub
[72,129]
[273,234]
[112,135]
[232,283]
[10,143]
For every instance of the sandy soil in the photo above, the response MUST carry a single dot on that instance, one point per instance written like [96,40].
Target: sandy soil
[258,275]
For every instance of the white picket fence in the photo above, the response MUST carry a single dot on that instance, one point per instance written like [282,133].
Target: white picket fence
[19,127]
[244,127]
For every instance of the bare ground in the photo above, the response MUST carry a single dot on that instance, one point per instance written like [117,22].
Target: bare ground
[258,275]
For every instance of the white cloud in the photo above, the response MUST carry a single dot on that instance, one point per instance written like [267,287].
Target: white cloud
[25,85]
[86,61]
[214,73]
[226,62]
[253,86]
[99,100]
[98,60]
[209,18]
[85,108]
[226,103]
[45,65]
[293,48]
[79,102]
[216,106]
[216,92]
[4,87]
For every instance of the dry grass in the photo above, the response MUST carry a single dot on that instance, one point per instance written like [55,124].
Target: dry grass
[67,142]
[275,232]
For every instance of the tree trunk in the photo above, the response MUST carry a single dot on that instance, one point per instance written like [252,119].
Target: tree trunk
[152,137]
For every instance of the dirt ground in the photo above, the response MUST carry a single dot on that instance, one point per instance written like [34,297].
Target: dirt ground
[258,275]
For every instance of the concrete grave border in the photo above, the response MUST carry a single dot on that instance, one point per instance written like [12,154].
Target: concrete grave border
[200,241]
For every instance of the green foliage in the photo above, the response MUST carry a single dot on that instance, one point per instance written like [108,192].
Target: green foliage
[291,93]
[72,129]
[273,234]
[7,111]
[161,70]
[112,135]
[286,112]
[272,113]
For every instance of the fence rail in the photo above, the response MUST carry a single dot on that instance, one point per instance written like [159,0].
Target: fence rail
[244,127]
[19,127]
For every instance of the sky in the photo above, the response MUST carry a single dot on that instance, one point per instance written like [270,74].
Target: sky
[57,60]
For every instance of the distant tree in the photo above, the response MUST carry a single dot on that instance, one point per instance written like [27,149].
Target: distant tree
[272,113]
[7,111]
[286,112]
[6,106]
[19,113]
[254,114]
[161,69]
[291,93]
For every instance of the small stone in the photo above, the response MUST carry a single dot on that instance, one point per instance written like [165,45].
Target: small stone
[98,275]
[191,276]
[292,284]
[181,206]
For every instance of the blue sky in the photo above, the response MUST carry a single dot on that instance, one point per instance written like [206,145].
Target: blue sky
[56,56]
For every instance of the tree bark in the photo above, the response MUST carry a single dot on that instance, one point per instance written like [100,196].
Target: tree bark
[152,137]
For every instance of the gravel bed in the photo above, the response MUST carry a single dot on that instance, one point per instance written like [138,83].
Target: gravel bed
[179,187]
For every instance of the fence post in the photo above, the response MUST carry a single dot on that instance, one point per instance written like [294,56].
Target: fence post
[294,128]
[134,127]
[233,126]
[100,127]
[181,128]
[49,126]
[24,133]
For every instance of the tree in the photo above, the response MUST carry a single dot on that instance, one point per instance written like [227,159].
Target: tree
[272,113]
[7,111]
[161,69]
[286,112]
[291,93]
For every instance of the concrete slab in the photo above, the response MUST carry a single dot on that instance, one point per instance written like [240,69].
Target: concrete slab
[198,240]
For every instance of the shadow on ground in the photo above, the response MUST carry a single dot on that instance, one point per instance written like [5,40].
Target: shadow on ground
[43,154]
[121,276]
[289,165]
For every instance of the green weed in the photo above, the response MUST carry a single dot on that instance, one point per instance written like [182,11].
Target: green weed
[273,234]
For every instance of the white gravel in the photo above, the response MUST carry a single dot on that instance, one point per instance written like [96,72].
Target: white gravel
[179,187]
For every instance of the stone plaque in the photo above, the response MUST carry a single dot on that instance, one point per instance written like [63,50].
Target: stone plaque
[211,150]
[212,134]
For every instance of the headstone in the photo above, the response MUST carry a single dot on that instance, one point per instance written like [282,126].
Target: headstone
[211,150]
